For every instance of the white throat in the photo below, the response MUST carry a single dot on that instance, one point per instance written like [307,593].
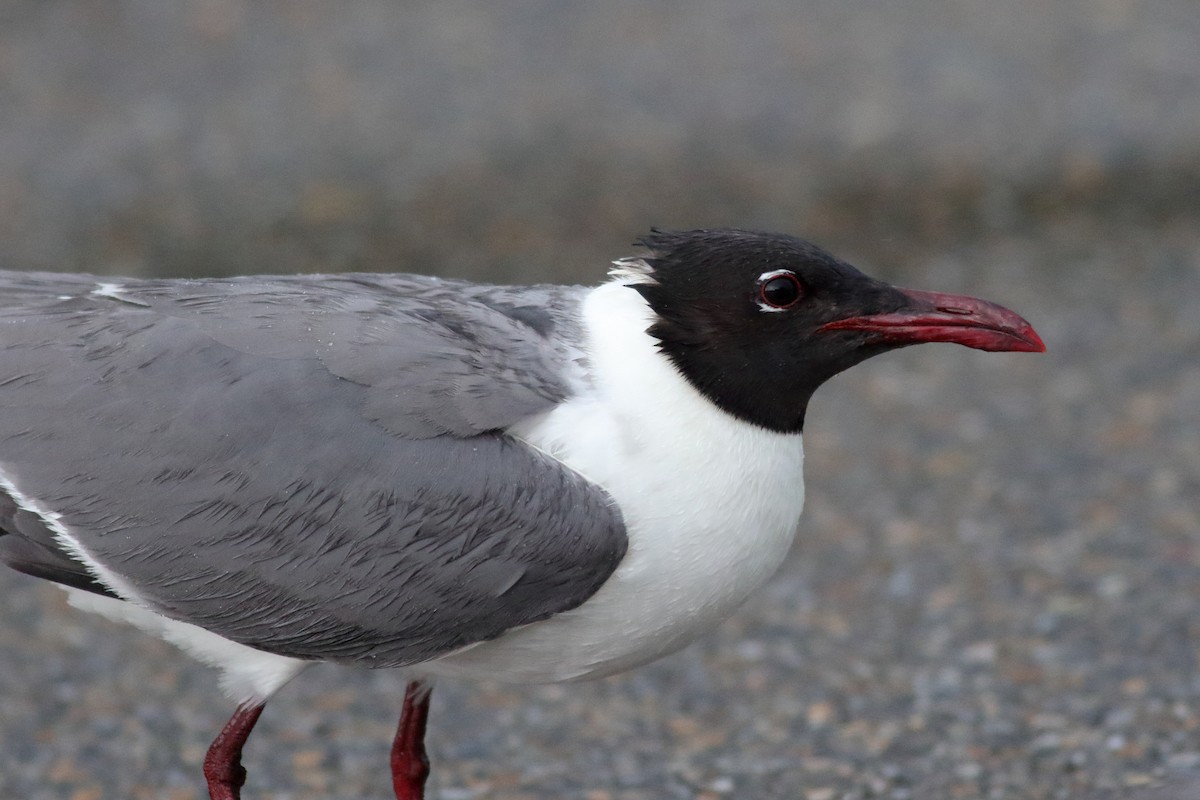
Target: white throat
[710,502]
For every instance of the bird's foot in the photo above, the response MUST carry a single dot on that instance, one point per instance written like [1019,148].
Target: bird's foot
[223,764]
[410,765]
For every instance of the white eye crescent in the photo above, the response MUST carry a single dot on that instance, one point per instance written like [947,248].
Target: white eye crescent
[779,290]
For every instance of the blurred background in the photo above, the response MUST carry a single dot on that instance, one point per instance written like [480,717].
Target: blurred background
[996,587]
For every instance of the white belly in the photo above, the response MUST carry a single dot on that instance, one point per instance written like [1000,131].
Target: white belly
[710,503]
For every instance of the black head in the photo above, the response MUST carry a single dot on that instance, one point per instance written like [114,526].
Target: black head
[757,321]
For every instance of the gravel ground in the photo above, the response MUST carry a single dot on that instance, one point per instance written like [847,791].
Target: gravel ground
[503,140]
[995,591]
[994,596]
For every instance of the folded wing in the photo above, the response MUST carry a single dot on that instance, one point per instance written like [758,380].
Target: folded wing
[314,467]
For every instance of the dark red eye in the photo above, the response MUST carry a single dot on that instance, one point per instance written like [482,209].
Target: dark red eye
[779,290]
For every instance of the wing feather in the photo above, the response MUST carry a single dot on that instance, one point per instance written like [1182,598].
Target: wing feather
[313,467]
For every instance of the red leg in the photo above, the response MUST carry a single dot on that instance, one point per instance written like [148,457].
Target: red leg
[223,764]
[410,766]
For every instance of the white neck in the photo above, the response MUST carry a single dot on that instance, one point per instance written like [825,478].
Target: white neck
[710,502]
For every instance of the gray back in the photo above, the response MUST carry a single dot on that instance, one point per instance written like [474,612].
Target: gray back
[309,465]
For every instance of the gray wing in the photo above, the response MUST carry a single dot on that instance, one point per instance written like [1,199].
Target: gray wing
[309,466]
[434,356]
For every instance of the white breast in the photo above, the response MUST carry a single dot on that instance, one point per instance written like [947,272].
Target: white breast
[710,502]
